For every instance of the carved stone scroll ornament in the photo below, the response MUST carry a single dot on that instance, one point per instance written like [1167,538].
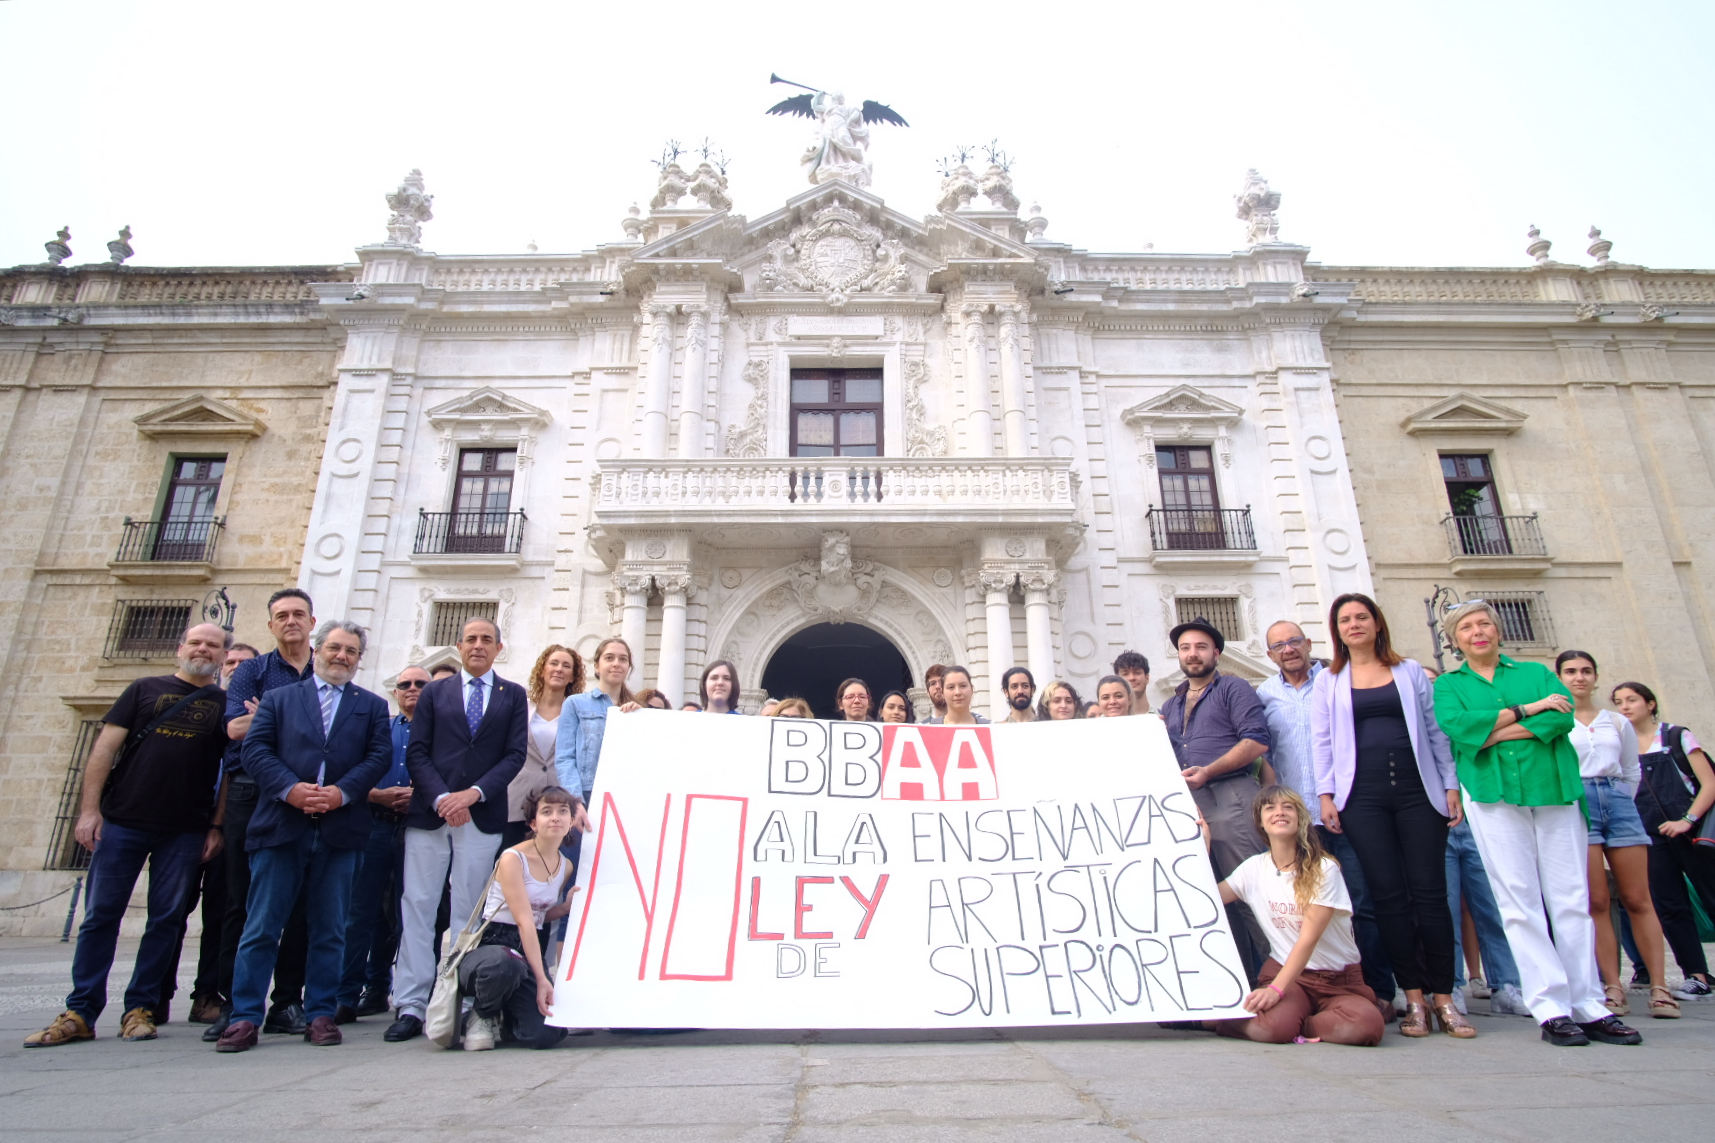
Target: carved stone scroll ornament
[833,586]
[920,438]
[749,441]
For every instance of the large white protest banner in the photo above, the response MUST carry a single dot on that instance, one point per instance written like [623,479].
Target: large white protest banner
[790,873]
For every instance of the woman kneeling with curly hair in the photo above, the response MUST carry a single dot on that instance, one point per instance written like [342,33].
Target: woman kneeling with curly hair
[1311,985]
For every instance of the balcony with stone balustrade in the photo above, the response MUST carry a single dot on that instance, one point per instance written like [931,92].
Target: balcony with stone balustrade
[893,499]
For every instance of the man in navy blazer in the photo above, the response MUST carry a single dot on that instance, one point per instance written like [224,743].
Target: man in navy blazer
[467,743]
[315,749]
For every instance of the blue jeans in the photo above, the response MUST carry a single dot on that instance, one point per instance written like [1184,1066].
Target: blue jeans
[113,871]
[1372,953]
[1465,873]
[372,929]
[277,873]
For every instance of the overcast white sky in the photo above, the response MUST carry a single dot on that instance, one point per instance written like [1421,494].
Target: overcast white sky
[1399,133]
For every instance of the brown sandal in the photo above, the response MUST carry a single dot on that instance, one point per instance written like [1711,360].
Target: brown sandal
[1662,1005]
[1616,999]
[1415,1021]
[1453,1021]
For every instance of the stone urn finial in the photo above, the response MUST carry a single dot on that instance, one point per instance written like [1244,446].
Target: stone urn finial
[1255,206]
[120,248]
[60,248]
[1538,248]
[1599,247]
[411,208]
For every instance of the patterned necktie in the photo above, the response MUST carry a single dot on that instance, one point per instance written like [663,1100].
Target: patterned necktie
[329,696]
[473,708]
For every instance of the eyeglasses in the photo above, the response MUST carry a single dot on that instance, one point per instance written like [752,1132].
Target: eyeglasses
[1295,641]
[1458,603]
[411,684]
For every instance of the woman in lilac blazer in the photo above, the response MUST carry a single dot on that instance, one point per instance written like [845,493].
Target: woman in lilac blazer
[1384,770]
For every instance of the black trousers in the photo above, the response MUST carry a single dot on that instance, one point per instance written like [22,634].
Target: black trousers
[1672,860]
[295,942]
[210,888]
[1401,842]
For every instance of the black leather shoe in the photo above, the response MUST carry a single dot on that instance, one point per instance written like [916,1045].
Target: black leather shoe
[407,1027]
[344,1014]
[1609,1030]
[214,1031]
[286,1018]
[1563,1033]
[372,1003]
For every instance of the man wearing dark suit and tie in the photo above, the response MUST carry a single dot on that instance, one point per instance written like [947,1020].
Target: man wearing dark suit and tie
[467,742]
[315,749]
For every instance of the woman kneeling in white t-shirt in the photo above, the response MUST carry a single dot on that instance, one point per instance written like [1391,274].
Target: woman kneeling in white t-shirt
[1311,984]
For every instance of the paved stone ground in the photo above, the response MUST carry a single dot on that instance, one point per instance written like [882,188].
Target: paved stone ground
[1110,1083]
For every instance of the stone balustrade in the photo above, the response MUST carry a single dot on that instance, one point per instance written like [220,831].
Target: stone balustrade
[535,274]
[1437,285]
[217,286]
[1145,272]
[832,488]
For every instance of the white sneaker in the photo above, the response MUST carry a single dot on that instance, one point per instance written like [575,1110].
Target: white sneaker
[1459,1003]
[480,1034]
[1507,1000]
[1478,988]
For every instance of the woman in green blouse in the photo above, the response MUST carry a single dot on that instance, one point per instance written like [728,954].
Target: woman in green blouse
[1508,723]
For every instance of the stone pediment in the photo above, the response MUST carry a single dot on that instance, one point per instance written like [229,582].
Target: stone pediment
[485,415]
[199,416]
[1183,403]
[1187,414]
[960,239]
[1465,413]
[718,236]
[836,241]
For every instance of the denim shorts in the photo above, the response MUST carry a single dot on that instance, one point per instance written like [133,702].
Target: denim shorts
[1614,820]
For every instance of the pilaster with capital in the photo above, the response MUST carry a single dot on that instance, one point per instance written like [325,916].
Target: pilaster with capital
[1039,588]
[670,662]
[996,585]
[658,382]
[976,372]
[1015,426]
[694,381]
[634,587]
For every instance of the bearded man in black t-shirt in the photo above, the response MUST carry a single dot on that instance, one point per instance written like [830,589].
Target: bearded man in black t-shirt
[148,796]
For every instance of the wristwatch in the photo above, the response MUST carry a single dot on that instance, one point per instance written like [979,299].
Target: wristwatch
[1518,712]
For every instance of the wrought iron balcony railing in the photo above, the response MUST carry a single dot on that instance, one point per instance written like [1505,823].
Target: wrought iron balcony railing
[469,533]
[186,540]
[1494,536]
[1201,530]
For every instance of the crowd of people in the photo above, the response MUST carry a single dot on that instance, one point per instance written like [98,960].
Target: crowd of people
[1389,843]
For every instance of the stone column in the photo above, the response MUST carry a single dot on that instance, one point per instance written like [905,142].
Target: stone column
[1013,423]
[981,418]
[997,591]
[670,663]
[693,389]
[658,383]
[634,619]
[1038,628]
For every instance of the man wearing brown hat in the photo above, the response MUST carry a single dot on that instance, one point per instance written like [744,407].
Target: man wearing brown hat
[1219,729]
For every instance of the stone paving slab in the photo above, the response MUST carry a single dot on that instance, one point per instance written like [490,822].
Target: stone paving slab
[1080,1085]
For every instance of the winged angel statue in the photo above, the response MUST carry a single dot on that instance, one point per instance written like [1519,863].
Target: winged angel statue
[842,132]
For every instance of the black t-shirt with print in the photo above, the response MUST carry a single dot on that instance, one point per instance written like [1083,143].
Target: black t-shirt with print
[167,782]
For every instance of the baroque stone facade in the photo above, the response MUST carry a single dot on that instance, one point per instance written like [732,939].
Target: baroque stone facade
[1070,451]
